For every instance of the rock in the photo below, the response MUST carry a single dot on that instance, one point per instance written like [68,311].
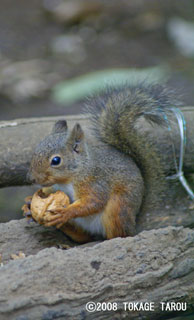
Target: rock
[20,81]
[154,266]
[73,11]
[70,46]
[182,34]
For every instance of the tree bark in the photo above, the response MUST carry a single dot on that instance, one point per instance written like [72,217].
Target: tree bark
[154,266]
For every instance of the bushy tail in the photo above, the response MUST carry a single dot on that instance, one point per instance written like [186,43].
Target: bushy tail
[120,117]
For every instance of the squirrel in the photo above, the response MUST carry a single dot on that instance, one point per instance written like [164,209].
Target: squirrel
[111,174]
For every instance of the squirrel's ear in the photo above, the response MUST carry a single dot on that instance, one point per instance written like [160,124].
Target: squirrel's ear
[77,133]
[76,138]
[60,126]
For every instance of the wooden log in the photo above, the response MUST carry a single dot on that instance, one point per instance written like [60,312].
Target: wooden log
[19,137]
[155,266]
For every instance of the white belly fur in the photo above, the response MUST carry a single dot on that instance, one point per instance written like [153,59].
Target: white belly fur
[67,189]
[91,224]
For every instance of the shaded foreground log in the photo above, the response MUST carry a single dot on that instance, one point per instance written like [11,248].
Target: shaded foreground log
[154,266]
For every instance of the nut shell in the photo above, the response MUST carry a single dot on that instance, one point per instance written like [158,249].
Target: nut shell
[42,203]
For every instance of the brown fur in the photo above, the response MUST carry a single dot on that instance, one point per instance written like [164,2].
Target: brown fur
[76,233]
[118,218]
[117,170]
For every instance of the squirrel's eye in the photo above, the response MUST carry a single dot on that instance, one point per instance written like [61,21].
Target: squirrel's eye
[55,161]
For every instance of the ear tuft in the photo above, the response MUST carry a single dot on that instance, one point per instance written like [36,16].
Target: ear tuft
[60,126]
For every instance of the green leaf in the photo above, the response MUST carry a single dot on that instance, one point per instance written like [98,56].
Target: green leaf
[78,88]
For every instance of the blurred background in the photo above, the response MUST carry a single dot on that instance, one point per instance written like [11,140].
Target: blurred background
[54,53]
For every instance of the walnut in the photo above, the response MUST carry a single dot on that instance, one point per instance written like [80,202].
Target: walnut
[42,203]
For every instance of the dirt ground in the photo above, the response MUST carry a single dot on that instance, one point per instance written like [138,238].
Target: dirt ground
[123,34]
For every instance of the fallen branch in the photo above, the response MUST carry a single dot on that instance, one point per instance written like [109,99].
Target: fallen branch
[155,266]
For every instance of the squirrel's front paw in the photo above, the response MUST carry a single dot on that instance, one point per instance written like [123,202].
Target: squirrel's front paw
[26,208]
[56,218]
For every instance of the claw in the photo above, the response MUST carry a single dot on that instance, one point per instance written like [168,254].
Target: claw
[26,207]
[28,201]
[28,204]
[28,214]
